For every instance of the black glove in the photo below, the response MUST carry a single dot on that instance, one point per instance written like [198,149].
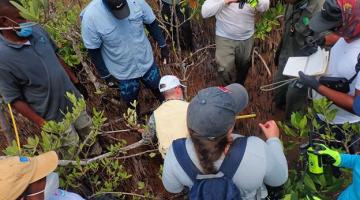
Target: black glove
[82,89]
[165,53]
[312,44]
[111,82]
[309,81]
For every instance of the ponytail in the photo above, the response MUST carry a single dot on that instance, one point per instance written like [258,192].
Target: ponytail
[208,151]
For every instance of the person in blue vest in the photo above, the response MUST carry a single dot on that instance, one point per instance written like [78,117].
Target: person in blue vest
[113,31]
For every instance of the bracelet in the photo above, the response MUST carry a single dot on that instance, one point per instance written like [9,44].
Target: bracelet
[36,193]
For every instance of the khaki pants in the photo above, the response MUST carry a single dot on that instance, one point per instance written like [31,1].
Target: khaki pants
[232,59]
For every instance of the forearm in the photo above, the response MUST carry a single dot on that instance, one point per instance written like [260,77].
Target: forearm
[68,71]
[277,174]
[25,109]
[340,99]
[331,39]
[211,8]
[349,161]
[98,61]
[156,33]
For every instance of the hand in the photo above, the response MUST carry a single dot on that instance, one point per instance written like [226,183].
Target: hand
[111,82]
[164,51]
[309,81]
[270,129]
[82,89]
[321,149]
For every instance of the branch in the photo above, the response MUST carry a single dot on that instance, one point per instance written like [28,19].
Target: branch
[264,62]
[100,157]
[121,193]
[137,154]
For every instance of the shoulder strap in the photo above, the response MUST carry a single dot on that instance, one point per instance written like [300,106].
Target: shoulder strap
[234,157]
[357,69]
[184,159]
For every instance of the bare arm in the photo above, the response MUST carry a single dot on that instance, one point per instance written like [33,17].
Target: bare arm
[71,75]
[340,99]
[25,109]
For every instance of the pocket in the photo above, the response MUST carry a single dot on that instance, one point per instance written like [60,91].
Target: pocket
[136,24]
[110,37]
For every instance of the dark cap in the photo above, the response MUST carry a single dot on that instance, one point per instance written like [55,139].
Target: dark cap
[211,113]
[328,18]
[119,8]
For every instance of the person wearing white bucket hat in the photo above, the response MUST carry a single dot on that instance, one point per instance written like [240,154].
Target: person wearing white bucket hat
[168,122]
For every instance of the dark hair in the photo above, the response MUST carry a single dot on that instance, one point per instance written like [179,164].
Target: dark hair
[208,150]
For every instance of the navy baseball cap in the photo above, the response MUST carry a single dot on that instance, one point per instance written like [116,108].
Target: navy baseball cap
[211,113]
[119,8]
[328,18]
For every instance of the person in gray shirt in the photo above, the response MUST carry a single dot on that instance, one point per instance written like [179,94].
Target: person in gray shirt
[210,119]
[33,79]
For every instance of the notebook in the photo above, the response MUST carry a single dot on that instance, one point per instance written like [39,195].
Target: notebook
[314,65]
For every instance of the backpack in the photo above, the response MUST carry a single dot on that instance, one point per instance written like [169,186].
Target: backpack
[212,186]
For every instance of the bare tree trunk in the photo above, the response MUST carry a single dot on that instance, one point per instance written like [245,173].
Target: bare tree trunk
[5,128]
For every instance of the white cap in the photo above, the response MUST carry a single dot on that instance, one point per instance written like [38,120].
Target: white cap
[169,82]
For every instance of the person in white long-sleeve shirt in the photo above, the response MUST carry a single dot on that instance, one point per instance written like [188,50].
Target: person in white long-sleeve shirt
[235,28]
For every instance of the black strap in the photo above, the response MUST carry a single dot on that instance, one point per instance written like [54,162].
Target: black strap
[357,69]
[234,157]
[228,167]
[184,159]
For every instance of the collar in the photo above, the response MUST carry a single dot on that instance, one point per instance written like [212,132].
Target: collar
[12,44]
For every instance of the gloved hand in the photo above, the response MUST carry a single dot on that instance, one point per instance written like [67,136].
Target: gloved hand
[82,89]
[321,149]
[111,82]
[311,45]
[164,51]
[309,81]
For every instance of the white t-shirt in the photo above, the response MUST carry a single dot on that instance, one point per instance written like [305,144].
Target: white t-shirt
[231,22]
[343,58]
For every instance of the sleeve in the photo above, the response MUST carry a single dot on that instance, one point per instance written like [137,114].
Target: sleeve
[276,164]
[212,7]
[149,16]
[152,127]
[356,105]
[9,86]
[169,178]
[91,37]
[263,5]
[349,161]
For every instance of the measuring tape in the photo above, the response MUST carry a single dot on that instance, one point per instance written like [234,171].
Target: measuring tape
[15,127]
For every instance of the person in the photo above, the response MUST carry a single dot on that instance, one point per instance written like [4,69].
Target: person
[234,36]
[347,161]
[294,43]
[343,16]
[113,32]
[181,18]
[32,178]
[211,119]
[168,122]
[34,79]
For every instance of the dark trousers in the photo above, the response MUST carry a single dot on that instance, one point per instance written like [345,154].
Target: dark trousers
[129,89]
[185,32]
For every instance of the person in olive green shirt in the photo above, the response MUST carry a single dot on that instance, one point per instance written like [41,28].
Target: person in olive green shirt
[297,17]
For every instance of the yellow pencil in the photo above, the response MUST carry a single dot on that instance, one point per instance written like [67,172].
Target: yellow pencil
[245,116]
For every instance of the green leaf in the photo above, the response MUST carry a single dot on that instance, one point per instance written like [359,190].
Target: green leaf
[309,183]
[140,185]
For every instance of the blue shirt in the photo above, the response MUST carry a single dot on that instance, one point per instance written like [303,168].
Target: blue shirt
[356,105]
[352,192]
[124,46]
